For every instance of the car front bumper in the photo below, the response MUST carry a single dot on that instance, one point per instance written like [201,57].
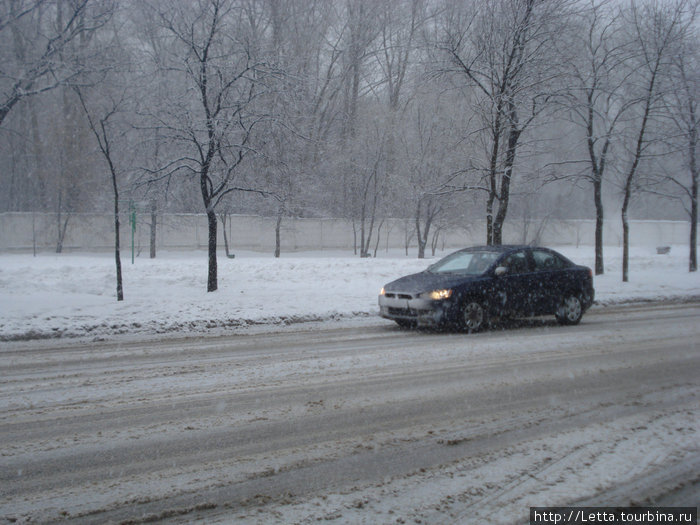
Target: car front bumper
[415,310]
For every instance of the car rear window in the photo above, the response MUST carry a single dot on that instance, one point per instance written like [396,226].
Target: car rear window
[545,260]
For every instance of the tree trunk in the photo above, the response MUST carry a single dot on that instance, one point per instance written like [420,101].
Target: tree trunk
[489,219]
[692,147]
[493,179]
[362,233]
[625,245]
[498,224]
[421,243]
[693,260]
[117,256]
[434,242]
[497,232]
[365,230]
[598,197]
[224,229]
[153,229]
[34,233]
[354,237]
[104,146]
[62,227]
[406,236]
[376,244]
[424,235]
[368,241]
[504,196]
[278,239]
[212,279]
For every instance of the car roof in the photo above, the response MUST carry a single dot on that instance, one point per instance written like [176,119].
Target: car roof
[507,248]
[501,248]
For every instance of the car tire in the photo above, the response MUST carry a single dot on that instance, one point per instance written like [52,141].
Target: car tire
[474,317]
[405,323]
[570,310]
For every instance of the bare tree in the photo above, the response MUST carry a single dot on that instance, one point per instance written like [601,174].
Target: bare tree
[293,104]
[369,192]
[595,96]
[43,45]
[658,28]
[215,54]
[683,112]
[99,122]
[428,174]
[285,176]
[361,176]
[361,31]
[400,26]
[500,48]
[103,101]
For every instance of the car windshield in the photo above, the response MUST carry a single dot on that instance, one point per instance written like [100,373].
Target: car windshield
[469,263]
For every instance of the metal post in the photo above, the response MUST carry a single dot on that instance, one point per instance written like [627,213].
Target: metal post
[132,219]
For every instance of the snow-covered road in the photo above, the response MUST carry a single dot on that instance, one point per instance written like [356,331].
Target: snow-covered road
[358,425]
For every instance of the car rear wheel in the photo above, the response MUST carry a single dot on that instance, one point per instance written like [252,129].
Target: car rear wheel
[570,310]
[473,316]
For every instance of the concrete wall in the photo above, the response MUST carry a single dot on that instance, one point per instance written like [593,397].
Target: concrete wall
[20,231]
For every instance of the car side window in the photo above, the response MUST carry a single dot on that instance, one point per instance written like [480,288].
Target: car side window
[516,263]
[547,261]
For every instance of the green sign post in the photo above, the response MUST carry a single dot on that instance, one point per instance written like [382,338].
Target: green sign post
[134,208]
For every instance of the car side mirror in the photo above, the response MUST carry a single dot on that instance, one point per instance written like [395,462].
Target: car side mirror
[501,270]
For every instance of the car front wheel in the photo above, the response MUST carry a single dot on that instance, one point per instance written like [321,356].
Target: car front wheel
[473,316]
[570,310]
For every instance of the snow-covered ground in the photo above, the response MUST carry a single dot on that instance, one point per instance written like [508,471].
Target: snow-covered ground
[64,295]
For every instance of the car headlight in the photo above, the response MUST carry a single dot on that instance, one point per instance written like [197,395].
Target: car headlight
[437,295]
[382,292]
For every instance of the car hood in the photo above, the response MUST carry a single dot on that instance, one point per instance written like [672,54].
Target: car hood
[426,281]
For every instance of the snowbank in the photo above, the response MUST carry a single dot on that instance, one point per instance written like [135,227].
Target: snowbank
[74,294]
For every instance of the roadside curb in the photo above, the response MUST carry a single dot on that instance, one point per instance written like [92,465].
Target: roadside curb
[203,327]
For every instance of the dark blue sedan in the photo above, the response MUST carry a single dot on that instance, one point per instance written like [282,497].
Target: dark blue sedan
[468,288]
